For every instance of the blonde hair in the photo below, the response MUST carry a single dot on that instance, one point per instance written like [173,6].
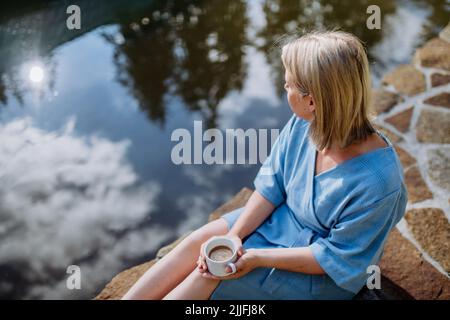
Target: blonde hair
[333,68]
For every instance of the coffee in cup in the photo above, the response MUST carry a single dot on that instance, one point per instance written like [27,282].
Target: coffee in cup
[220,252]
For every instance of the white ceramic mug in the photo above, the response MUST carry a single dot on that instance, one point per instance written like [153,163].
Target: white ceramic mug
[218,268]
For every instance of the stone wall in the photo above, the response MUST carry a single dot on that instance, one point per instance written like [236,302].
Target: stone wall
[413,109]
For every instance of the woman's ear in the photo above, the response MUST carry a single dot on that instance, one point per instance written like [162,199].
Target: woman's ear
[312,105]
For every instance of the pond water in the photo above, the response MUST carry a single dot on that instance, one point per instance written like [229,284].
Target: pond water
[86,117]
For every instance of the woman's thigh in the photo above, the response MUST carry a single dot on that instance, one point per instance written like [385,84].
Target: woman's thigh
[214,228]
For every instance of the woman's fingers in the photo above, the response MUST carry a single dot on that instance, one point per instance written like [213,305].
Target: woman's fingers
[201,250]
[210,276]
[201,263]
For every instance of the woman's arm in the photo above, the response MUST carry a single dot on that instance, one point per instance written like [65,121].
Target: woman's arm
[255,212]
[298,259]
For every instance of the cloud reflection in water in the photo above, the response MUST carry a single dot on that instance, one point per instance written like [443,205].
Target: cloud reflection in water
[79,193]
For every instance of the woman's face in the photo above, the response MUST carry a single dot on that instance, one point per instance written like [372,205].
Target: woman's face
[302,106]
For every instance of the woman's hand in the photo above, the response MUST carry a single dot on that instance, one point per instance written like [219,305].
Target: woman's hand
[245,263]
[201,262]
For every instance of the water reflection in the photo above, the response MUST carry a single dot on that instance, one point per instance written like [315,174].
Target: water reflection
[285,17]
[65,200]
[85,171]
[195,52]
[36,74]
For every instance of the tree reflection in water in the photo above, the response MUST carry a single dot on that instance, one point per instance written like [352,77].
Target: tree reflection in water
[192,51]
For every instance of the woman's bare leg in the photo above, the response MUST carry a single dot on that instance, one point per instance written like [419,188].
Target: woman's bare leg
[175,266]
[194,287]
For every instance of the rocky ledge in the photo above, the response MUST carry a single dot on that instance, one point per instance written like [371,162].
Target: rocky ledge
[413,110]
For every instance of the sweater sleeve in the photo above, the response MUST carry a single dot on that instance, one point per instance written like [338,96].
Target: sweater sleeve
[269,180]
[357,240]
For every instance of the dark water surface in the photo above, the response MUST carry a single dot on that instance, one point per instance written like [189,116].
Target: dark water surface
[86,116]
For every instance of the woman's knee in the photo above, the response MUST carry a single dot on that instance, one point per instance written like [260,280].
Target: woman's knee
[203,233]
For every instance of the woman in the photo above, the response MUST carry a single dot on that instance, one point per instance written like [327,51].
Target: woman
[325,199]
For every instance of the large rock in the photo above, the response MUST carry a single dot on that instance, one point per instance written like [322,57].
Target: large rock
[435,54]
[406,79]
[239,200]
[439,167]
[389,291]
[383,100]
[405,158]
[433,126]
[441,100]
[445,33]
[404,265]
[394,138]
[439,79]
[430,227]
[401,120]
[417,188]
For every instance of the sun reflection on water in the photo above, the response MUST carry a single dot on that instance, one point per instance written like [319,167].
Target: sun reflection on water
[36,74]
